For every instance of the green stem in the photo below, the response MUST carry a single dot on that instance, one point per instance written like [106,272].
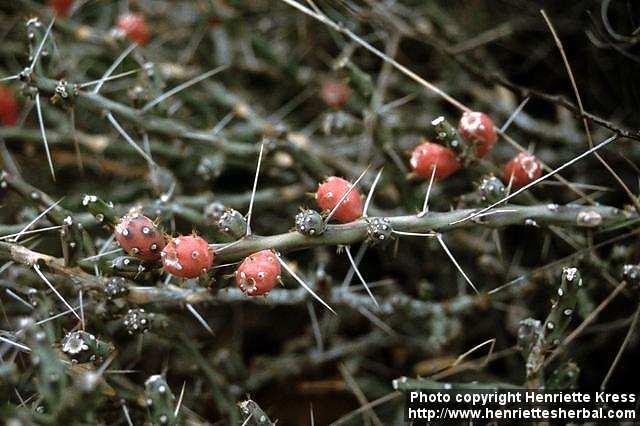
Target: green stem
[354,232]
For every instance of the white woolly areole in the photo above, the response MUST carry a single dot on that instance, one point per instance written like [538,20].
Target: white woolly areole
[529,165]
[437,121]
[471,122]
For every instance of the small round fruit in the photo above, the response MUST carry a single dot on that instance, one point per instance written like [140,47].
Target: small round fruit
[187,256]
[134,26]
[258,273]
[477,128]
[428,155]
[232,223]
[523,169]
[309,222]
[138,321]
[335,94]
[331,191]
[491,190]
[139,236]
[116,287]
[61,7]
[9,108]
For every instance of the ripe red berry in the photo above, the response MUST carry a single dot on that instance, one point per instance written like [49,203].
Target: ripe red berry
[477,128]
[524,168]
[9,108]
[139,236]
[187,256]
[61,7]
[134,26]
[331,191]
[428,155]
[335,94]
[258,273]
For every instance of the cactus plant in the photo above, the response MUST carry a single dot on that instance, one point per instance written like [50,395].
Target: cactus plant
[212,209]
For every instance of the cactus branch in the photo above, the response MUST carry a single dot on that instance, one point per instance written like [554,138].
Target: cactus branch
[354,232]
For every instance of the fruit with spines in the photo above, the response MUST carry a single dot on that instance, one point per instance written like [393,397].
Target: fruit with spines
[187,256]
[116,287]
[429,156]
[83,347]
[329,194]
[138,321]
[523,169]
[139,236]
[258,273]
[478,129]
[160,401]
[448,136]
[134,27]
[378,230]
[631,274]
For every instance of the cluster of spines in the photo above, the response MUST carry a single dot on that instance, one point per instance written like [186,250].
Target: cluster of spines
[309,222]
[379,229]
[137,321]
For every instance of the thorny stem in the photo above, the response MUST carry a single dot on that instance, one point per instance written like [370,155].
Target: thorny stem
[172,294]
[346,234]
[354,232]
[297,145]
[425,223]
[97,103]
[181,206]
[543,177]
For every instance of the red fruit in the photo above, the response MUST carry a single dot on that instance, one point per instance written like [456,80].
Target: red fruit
[61,7]
[9,108]
[335,93]
[187,256]
[139,236]
[329,194]
[477,128]
[258,273]
[524,168]
[428,155]
[134,26]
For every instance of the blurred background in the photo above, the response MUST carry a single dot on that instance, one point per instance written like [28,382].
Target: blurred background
[288,353]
